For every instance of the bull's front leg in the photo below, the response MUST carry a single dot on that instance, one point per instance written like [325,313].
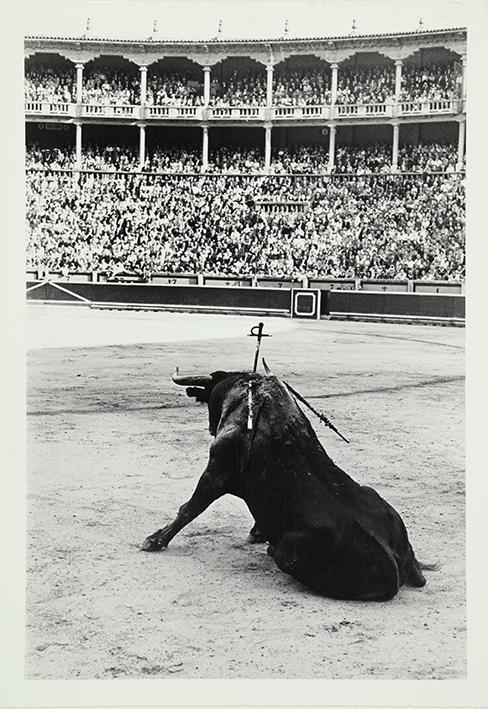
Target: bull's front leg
[210,487]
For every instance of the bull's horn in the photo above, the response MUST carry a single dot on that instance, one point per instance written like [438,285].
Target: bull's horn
[266,368]
[197,380]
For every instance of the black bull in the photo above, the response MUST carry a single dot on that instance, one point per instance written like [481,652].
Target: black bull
[337,537]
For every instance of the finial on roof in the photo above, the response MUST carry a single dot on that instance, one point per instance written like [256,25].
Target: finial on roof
[421,24]
[353,28]
[285,29]
[155,26]
[219,32]
[87,27]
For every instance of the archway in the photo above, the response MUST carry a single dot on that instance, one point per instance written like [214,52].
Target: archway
[302,79]
[174,81]
[238,81]
[111,80]
[49,77]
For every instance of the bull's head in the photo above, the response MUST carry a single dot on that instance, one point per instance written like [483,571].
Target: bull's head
[199,385]
[204,387]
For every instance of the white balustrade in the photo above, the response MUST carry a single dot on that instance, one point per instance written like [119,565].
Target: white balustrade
[236,112]
[34,107]
[283,112]
[189,112]
[366,110]
[52,108]
[443,106]
[111,111]
[408,108]
[249,113]
[157,111]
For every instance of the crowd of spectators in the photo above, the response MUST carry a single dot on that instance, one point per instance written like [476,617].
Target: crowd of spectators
[50,84]
[373,85]
[371,226]
[375,158]
[109,87]
[429,83]
[241,88]
[49,158]
[309,87]
[290,87]
[173,89]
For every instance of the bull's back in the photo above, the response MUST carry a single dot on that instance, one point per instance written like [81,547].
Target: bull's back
[289,482]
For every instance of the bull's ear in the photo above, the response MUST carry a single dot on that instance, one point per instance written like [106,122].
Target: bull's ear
[199,393]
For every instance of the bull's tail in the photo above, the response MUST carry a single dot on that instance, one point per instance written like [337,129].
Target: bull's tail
[416,577]
[430,567]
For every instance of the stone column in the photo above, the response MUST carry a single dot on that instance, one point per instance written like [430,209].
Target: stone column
[396,139]
[267,146]
[461,139]
[78,145]
[398,79]
[143,71]
[332,137]
[142,145]
[205,148]
[269,85]
[333,86]
[79,83]
[206,85]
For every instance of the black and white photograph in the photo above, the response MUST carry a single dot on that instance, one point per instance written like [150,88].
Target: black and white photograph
[243,274]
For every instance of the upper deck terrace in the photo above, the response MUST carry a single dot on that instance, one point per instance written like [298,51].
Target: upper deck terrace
[209,65]
[212,62]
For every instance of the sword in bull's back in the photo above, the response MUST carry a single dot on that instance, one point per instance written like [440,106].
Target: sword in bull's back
[257,331]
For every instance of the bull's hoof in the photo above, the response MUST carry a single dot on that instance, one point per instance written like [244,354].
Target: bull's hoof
[152,544]
[256,536]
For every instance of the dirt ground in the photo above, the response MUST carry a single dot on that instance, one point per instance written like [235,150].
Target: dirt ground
[114,448]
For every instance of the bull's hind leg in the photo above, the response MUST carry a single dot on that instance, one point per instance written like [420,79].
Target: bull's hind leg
[416,577]
[352,569]
[210,487]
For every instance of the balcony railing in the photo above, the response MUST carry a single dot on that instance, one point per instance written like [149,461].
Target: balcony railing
[113,111]
[248,113]
[52,108]
[235,112]
[366,110]
[172,112]
[429,108]
[300,112]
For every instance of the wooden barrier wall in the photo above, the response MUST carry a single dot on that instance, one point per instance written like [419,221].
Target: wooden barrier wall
[270,300]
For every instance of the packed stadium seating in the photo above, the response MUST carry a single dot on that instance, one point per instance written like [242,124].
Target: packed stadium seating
[172,89]
[295,87]
[248,88]
[50,84]
[375,158]
[181,197]
[379,226]
[109,86]
[366,86]
[429,82]
[302,87]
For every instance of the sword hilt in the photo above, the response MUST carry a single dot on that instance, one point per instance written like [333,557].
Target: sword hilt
[257,331]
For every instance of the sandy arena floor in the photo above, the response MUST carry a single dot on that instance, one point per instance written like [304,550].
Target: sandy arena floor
[114,448]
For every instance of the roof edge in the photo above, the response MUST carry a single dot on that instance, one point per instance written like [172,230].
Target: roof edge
[223,42]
